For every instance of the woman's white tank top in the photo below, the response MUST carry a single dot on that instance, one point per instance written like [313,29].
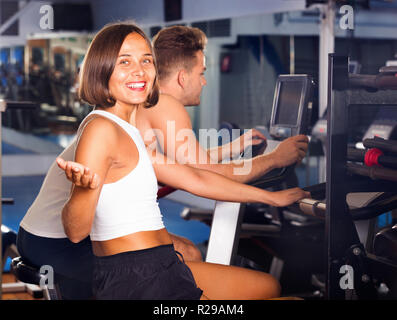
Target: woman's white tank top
[126,206]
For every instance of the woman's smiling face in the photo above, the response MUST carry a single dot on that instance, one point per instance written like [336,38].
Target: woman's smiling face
[133,76]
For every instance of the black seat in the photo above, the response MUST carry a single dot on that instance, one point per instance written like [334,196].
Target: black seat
[29,274]
[385,243]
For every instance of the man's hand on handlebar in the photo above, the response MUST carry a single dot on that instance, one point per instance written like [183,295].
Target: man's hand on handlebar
[291,150]
[78,174]
[251,137]
[289,196]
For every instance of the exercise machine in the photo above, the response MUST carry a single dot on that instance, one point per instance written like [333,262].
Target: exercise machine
[360,186]
[343,245]
[292,91]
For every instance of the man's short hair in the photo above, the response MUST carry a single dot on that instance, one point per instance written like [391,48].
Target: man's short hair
[176,47]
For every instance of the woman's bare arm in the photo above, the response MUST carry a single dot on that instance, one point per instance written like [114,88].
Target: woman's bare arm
[204,183]
[176,138]
[211,185]
[94,150]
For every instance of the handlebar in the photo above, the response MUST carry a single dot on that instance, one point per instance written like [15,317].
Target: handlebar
[371,157]
[373,172]
[385,145]
[274,177]
[315,207]
[367,81]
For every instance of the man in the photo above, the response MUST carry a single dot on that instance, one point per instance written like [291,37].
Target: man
[167,126]
[181,65]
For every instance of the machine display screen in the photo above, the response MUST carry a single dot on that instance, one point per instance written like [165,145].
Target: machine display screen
[288,102]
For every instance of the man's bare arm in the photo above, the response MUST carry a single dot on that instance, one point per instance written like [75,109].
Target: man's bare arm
[178,141]
[233,149]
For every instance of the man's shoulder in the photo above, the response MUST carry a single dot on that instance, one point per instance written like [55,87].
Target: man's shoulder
[169,102]
[167,107]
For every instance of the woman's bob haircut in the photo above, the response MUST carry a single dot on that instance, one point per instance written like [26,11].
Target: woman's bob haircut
[100,61]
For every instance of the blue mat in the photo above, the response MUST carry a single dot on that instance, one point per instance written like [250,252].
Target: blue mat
[10,149]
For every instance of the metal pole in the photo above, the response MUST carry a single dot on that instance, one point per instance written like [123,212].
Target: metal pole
[335,193]
[292,54]
[340,232]
[327,46]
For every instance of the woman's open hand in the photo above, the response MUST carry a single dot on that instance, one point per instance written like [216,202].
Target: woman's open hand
[78,174]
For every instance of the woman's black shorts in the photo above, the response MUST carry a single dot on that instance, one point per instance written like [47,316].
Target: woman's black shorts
[149,274]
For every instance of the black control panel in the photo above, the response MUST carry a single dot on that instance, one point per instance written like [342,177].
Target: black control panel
[291,106]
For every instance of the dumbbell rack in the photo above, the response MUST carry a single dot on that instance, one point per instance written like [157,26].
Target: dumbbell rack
[342,240]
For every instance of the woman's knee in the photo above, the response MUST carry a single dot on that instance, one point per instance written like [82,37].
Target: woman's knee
[260,286]
[235,283]
[271,287]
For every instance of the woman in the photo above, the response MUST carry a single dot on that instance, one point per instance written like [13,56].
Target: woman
[133,253]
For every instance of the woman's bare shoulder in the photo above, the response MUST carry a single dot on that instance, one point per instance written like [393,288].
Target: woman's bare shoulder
[100,132]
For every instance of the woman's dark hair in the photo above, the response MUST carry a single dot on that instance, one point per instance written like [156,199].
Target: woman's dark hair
[100,61]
